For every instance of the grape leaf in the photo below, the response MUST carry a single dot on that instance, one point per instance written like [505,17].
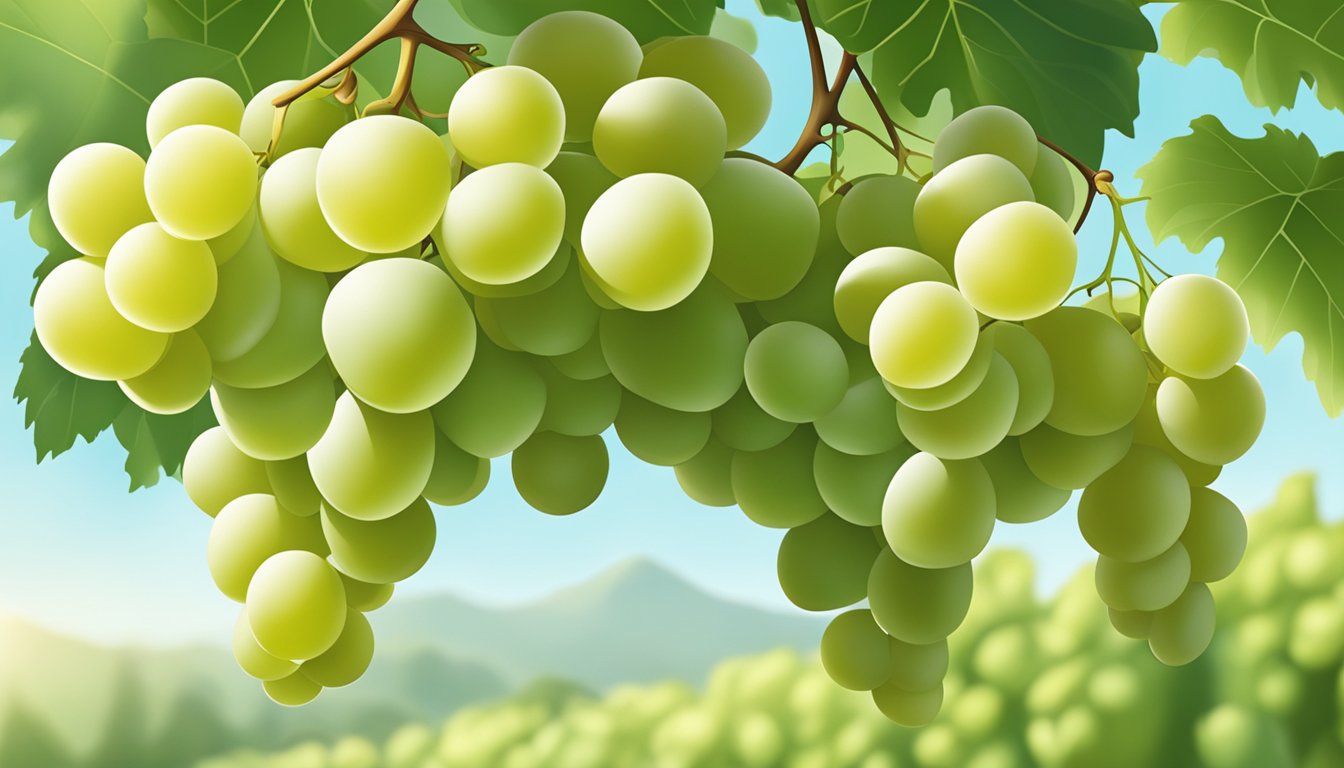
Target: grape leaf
[646,19]
[60,406]
[1275,203]
[157,443]
[1271,44]
[784,9]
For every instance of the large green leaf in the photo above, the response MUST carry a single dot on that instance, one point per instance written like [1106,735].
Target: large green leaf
[1275,203]
[646,19]
[60,406]
[157,443]
[1272,44]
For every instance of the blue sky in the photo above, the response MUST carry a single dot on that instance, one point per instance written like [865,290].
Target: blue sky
[80,554]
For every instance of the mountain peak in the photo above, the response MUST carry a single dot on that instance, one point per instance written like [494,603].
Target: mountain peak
[634,578]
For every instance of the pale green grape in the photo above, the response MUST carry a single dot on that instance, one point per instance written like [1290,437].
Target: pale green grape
[918,605]
[365,597]
[293,691]
[215,472]
[878,212]
[81,330]
[382,182]
[1020,496]
[775,487]
[796,372]
[918,667]
[1150,585]
[252,658]
[292,484]
[503,223]
[871,277]
[160,282]
[247,301]
[399,334]
[911,709]
[937,513]
[1196,325]
[296,605]
[659,435]
[1100,375]
[1215,536]
[853,486]
[824,564]
[865,421]
[347,659]
[227,245]
[707,477]
[293,344]
[177,382]
[549,275]
[855,651]
[246,532]
[280,422]
[1137,509]
[309,122]
[578,408]
[922,335]
[292,218]
[1035,378]
[661,125]
[194,101]
[457,476]
[766,228]
[1052,181]
[1213,421]
[496,407]
[647,241]
[991,130]
[954,390]
[381,551]
[960,194]
[1181,631]
[1069,461]
[96,195]
[727,74]
[1136,625]
[582,179]
[558,474]
[182,203]
[585,363]
[973,426]
[1148,431]
[507,114]
[1017,261]
[370,464]
[556,320]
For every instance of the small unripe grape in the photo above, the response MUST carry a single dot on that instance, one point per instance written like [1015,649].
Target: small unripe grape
[280,422]
[1181,631]
[347,659]
[823,565]
[1150,585]
[743,425]
[292,218]
[293,691]
[922,335]
[661,125]
[659,435]
[1215,536]
[1196,325]
[1072,462]
[911,709]
[507,114]
[456,477]
[960,194]
[971,427]
[775,487]
[556,320]
[1053,183]
[1020,496]
[497,406]
[308,122]
[1137,509]
[1132,624]
[853,487]
[177,382]
[369,464]
[292,484]
[296,605]
[365,597]
[182,203]
[381,551]
[918,605]
[878,212]
[1017,261]
[194,101]
[796,372]
[1035,378]
[582,179]
[1213,421]
[707,477]
[503,223]
[871,277]
[96,195]
[252,658]
[856,652]
[936,513]
[1100,374]
[988,129]
[865,421]
[578,408]
[558,474]
[215,472]
[246,532]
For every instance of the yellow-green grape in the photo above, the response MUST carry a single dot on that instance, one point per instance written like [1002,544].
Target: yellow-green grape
[775,487]
[647,241]
[871,277]
[293,691]
[1148,431]
[194,101]
[727,74]
[280,422]
[1196,325]
[309,122]
[958,195]
[878,212]
[824,564]
[246,532]
[558,474]
[497,406]
[918,605]
[160,282]
[1137,509]
[911,709]
[707,477]
[585,363]
[363,596]
[227,245]
[1020,496]
[247,301]
[553,321]
[293,344]
[182,203]
[1213,421]
[503,223]
[381,551]
[292,484]
[382,182]
[1317,636]
[988,129]
[399,333]
[1035,378]
[659,435]
[688,357]
[347,659]
[1052,182]
[743,425]
[936,513]
[1150,585]
[1214,536]
[177,382]
[578,408]
[865,421]
[508,114]
[547,276]
[922,335]
[766,228]
[811,301]
[853,486]
[856,652]
[457,477]
[1072,462]
[956,389]
[1181,631]
[296,605]
[582,179]
[1100,374]
[96,195]
[1136,625]
[796,372]
[661,125]
[215,472]
[370,464]
[971,427]
[252,658]
[292,218]
[918,667]
[1017,261]
[81,330]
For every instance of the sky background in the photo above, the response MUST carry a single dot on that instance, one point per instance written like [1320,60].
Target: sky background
[81,555]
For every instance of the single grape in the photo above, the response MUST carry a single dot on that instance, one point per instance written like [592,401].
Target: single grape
[578,408]
[1136,625]
[743,425]
[659,435]
[550,273]
[811,301]
[936,513]
[971,427]
[457,476]
[177,382]
[727,74]
[796,372]
[96,195]
[1181,631]
[309,122]
[853,486]
[503,223]
[293,344]
[1052,181]
[246,532]
[1213,421]
[871,277]
[987,129]
[958,195]
[1100,374]
[1020,496]
[911,709]
[1215,536]
[585,363]
[280,422]
[918,667]
[582,179]
[661,125]
[1071,462]
[1035,378]
[227,245]
[707,477]
[293,691]
[856,652]
[775,487]
[922,335]
[215,472]
[194,101]
[293,487]
[160,282]
[1017,261]
[918,605]
[347,659]
[369,464]
[865,421]
[252,658]
[296,605]
[292,218]
[878,212]
[1137,509]
[508,114]
[1196,325]
[497,406]
[556,320]
[1150,585]
[365,597]
[182,204]
[1148,431]
[558,474]
[381,551]
[247,301]
[824,564]
[959,387]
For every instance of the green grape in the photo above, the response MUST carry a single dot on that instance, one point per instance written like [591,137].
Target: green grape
[309,122]
[1017,261]
[775,487]
[796,372]
[96,195]
[457,476]
[1181,631]
[292,484]
[292,218]
[707,477]
[83,332]
[958,195]
[553,321]
[277,423]
[973,426]
[1136,625]
[1137,509]
[688,357]
[381,551]
[856,652]
[227,245]
[647,241]
[585,363]
[507,114]
[497,406]
[215,472]
[582,179]
[1071,462]
[293,344]
[661,125]
[922,335]
[936,513]
[1150,585]
[160,282]
[742,424]
[382,182]
[1035,378]
[177,382]
[991,130]
[293,691]
[1100,374]
[918,667]
[1019,495]
[187,208]
[1196,325]
[194,101]
[547,276]
[369,464]
[296,605]
[911,709]
[597,291]
[1214,536]
[365,597]
[1148,431]
[871,277]
[247,301]
[853,486]
[246,532]
[727,75]
[399,334]
[812,300]
[503,223]
[824,564]
[659,435]
[1052,182]
[865,421]
[558,474]
[347,659]
[578,408]
[252,658]
[878,212]
[918,605]
[954,390]
[1213,421]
